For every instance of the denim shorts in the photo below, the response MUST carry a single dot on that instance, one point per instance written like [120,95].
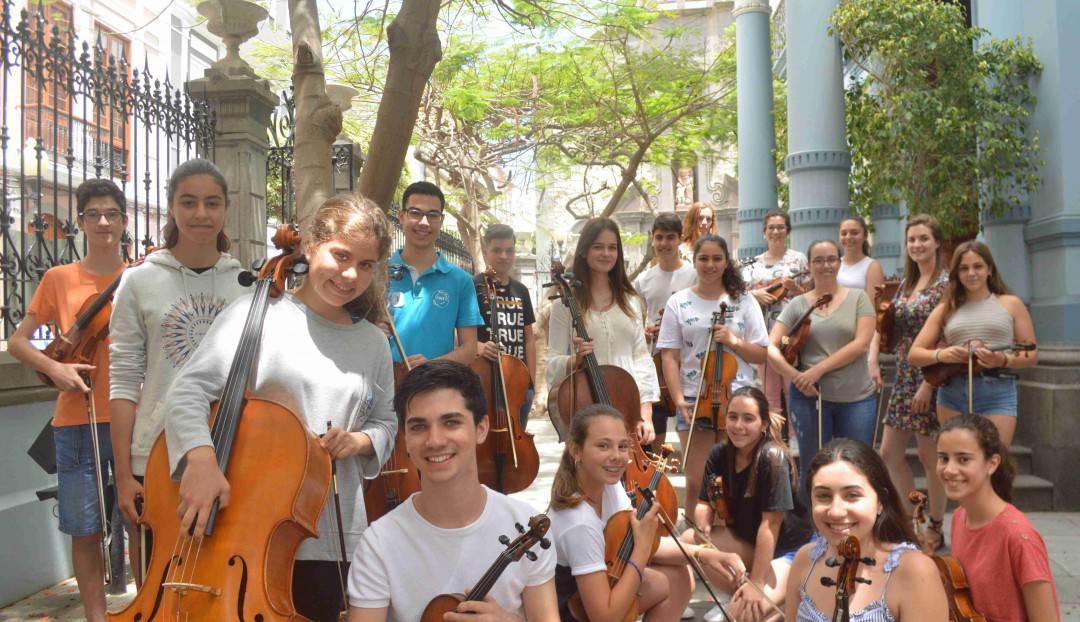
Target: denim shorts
[992,395]
[681,425]
[76,488]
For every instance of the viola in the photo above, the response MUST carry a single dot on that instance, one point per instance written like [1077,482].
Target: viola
[885,311]
[957,590]
[619,542]
[604,384]
[242,566]
[939,374]
[398,477]
[718,368]
[507,459]
[792,343]
[538,528]
[847,576]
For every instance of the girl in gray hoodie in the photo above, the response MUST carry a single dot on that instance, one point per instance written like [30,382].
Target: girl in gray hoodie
[161,311]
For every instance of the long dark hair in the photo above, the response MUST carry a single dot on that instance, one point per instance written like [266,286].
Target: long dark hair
[956,294]
[732,279]
[191,168]
[865,232]
[893,524]
[565,490]
[621,287]
[770,452]
[911,269]
[986,435]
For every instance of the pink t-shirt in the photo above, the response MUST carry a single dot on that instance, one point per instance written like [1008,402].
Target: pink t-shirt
[999,558]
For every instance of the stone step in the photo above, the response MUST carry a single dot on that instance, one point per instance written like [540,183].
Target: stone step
[1031,493]
[1021,456]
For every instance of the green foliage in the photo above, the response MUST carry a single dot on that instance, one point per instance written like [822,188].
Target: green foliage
[941,119]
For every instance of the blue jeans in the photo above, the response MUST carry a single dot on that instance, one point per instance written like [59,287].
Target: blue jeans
[76,489]
[526,406]
[838,420]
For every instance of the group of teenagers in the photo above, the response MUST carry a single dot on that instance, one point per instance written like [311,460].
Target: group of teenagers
[756,526]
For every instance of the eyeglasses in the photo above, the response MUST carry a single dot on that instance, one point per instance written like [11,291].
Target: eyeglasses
[433,216]
[776,228]
[822,261]
[113,215]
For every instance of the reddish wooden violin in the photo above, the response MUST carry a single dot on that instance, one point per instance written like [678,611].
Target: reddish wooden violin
[957,591]
[939,374]
[507,459]
[886,314]
[792,343]
[242,567]
[718,368]
[718,501]
[538,528]
[847,576]
[776,289]
[604,384]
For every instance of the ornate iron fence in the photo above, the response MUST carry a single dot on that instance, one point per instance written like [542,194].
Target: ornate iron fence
[280,193]
[72,111]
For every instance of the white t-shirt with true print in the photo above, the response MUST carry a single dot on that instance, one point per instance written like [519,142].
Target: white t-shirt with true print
[686,327]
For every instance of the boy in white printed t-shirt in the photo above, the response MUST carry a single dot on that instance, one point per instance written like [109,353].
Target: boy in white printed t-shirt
[443,539]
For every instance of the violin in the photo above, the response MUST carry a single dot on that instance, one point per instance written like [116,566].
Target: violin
[665,403]
[718,500]
[846,576]
[939,374]
[604,384]
[538,528]
[242,566]
[792,343]
[619,542]
[776,289]
[885,311]
[718,368]
[507,459]
[957,590]
[398,477]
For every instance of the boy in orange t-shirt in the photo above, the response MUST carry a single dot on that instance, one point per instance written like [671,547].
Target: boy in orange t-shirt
[101,215]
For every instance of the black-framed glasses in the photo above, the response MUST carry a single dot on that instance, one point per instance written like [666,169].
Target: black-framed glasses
[418,214]
[113,215]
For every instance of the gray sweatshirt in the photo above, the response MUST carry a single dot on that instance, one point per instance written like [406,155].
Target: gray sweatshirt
[160,313]
[320,370]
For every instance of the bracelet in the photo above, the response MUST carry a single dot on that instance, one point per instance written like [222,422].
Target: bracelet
[641,578]
[937,356]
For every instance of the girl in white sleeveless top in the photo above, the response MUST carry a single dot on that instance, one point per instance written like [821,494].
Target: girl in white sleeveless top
[858,270]
[977,309]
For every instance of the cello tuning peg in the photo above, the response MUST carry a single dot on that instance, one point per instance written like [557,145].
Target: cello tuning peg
[246,278]
[519,527]
[258,264]
[300,268]
[504,540]
[545,543]
[530,555]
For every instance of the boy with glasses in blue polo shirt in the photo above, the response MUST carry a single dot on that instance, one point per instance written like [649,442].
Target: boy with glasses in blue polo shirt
[430,298]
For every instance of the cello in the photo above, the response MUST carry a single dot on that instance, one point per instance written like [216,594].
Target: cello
[718,368]
[609,385]
[957,590]
[241,567]
[505,383]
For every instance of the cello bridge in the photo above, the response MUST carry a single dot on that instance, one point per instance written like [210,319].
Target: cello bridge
[182,587]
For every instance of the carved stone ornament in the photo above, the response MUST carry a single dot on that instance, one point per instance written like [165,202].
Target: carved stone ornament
[234,21]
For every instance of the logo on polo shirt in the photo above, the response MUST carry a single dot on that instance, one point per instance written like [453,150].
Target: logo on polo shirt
[441,298]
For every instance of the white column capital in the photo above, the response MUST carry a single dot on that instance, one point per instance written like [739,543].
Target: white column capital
[751,6]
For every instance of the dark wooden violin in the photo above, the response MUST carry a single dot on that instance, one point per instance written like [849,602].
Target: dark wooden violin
[847,576]
[957,590]
[718,501]
[241,569]
[792,343]
[398,477]
[885,311]
[538,528]
[604,384]
[619,541]
[718,368]
[507,459]
[939,374]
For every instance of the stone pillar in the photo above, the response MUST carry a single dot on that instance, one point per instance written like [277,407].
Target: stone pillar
[242,102]
[818,161]
[757,136]
[889,220]
[1005,234]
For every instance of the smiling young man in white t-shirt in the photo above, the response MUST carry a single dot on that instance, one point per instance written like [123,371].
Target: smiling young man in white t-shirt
[444,538]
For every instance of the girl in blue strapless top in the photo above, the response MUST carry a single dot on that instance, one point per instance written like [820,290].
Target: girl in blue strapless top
[851,495]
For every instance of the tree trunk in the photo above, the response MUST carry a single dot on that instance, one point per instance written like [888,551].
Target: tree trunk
[414,51]
[629,174]
[318,120]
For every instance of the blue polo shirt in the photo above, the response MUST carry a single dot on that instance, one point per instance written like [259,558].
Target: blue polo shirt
[427,311]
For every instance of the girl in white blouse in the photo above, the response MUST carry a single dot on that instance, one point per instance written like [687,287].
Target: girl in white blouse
[614,318]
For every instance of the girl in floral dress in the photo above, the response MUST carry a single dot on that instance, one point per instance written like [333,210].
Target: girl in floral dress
[912,405]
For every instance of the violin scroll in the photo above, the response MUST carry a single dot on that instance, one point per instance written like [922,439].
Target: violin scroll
[849,558]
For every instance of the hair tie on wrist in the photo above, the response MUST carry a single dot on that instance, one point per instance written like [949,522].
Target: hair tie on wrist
[641,577]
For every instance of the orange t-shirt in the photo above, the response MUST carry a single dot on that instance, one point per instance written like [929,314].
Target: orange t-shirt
[62,291]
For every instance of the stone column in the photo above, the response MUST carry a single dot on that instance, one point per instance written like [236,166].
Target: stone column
[242,102]
[757,136]
[818,161]
[889,220]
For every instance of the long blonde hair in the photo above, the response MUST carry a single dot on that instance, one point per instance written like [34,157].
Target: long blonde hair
[352,217]
[565,490]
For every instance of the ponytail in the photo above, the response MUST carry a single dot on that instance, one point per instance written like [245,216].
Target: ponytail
[565,490]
